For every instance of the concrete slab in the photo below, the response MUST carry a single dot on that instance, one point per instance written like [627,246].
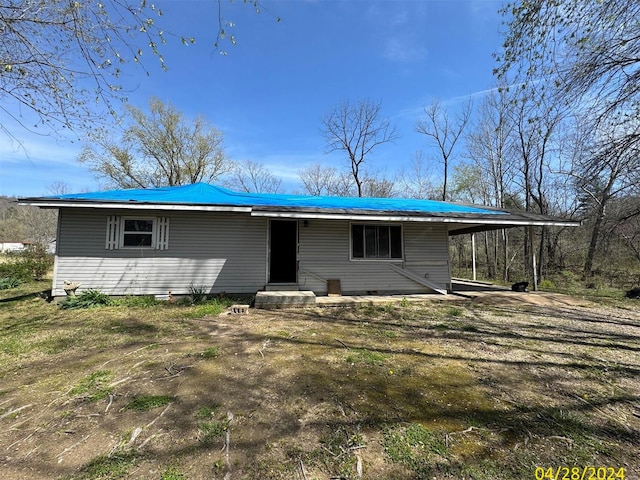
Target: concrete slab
[285,299]
[462,289]
[345,300]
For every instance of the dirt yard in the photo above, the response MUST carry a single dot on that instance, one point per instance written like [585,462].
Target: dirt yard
[501,386]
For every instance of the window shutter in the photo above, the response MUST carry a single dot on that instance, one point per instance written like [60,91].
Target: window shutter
[113,232]
[162,233]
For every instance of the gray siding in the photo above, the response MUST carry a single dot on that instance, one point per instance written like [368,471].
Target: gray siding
[325,254]
[228,253]
[224,252]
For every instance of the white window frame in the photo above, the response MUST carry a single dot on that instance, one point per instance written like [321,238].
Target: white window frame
[123,233]
[376,259]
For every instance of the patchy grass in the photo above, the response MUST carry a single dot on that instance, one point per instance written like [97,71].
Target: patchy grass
[446,390]
[112,466]
[205,413]
[415,447]
[209,308]
[26,289]
[212,430]
[172,473]
[92,387]
[145,403]
[366,357]
[337,453]
[210,352]
[138,301]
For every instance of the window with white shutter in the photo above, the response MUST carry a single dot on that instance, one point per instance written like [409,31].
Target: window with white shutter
[113,232]
[137,232]
[162,233]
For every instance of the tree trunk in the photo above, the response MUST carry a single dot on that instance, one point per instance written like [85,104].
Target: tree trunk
[487,256]
[595,234]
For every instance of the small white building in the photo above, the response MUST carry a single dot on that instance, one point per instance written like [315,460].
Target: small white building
[6,247]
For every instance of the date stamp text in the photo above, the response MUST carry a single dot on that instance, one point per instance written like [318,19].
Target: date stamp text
[579,473]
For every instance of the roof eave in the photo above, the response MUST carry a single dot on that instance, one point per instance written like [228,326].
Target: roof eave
[484,227]
[49,203]
[477,221]
[491,221]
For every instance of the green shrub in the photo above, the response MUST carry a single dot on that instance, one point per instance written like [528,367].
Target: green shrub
[9,282]
[14,268]
[32,263]
[546,285]
[568,279]
[87,299]
[197,294]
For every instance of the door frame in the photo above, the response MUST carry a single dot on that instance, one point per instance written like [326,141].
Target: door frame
[269,249]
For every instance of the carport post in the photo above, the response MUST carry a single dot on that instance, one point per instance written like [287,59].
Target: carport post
[534,268]
[473,255]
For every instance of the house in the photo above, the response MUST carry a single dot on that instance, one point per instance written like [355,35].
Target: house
[152,241]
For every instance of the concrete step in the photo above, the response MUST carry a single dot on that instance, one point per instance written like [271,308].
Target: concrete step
[281,287]
[285,299]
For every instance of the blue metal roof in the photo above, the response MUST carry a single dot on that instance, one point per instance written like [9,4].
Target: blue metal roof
[205,194]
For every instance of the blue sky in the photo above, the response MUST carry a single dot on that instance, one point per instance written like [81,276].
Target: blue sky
[268,93]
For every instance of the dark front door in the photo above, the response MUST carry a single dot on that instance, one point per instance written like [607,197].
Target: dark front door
[283,248]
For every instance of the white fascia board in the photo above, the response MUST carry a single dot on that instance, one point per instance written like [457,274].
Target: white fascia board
[348,216]
[135,206]
[401,218]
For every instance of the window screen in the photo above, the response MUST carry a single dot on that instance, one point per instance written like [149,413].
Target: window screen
[376,241]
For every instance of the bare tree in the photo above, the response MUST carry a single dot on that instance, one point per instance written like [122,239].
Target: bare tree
[61,59]
[378,186]
[157,149]
[321,180]
[12,229]
[488,144]
[253,177]
[418,179]
[59,188]
[357,129]
[443,133]
[587,52]
[626,224]
[604,170]
[20,223]
[488,147]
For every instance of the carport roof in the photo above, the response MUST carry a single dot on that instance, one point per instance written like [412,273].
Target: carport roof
[461,218]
